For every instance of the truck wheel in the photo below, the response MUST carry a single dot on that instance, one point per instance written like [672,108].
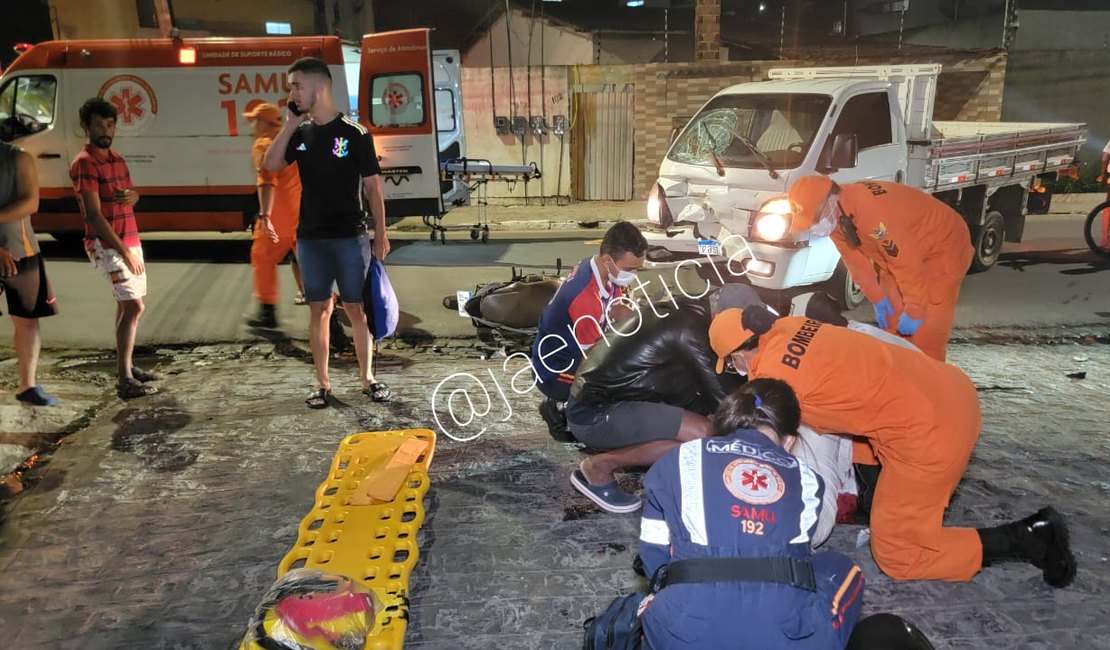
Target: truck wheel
[844,289]
[987,240]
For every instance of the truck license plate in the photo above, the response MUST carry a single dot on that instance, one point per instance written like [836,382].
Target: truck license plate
[709,247]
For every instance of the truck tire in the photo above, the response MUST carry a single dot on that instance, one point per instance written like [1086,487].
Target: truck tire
[987,240]
[844,289]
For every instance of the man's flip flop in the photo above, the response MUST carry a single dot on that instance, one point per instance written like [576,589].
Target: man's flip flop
[609,497]
[378,392]
[132,388]
[318,398]
[144,375]
[36,396]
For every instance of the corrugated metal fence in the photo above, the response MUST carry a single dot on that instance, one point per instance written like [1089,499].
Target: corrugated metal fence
[602,146]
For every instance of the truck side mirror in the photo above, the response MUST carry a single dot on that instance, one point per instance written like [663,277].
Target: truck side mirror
[842,153]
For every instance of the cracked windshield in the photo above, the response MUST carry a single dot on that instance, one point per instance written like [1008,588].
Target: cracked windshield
[781,127]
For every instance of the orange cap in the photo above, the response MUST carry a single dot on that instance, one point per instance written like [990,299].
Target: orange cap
[266,112]
[806,198]
[726,334]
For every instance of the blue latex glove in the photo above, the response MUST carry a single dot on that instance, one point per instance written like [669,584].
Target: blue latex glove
[883,311]
[908,326]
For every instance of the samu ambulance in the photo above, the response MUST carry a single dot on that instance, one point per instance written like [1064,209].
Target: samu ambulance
[181,129]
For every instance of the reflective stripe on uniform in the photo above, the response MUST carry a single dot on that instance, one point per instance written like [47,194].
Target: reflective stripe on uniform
[693,493]
[654,531]
[810,504]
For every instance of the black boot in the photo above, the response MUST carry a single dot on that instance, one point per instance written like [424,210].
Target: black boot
[887,632]
[555,415]
[1040,539]
[267,317]
[867,478]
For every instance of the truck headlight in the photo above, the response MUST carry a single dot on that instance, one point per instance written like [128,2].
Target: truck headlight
[773,221]
[657,210]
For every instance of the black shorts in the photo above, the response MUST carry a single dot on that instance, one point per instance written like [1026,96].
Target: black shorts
[28,291]
[623,424]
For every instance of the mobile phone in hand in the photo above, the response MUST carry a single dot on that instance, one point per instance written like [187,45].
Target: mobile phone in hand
[294,109]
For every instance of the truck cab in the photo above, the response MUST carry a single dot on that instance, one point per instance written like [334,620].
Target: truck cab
[722,186]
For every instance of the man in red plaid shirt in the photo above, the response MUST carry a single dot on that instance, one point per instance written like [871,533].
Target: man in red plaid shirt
[102,183]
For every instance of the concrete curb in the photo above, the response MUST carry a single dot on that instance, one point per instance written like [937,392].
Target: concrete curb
[1082,202]
[525,225]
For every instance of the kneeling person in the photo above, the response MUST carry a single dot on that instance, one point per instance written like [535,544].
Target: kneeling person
[579,313]
[641,393]
[726,533]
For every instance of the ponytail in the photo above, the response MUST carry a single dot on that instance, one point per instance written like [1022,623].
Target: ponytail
[767,402]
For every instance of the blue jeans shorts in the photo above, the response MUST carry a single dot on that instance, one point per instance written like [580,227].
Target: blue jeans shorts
[334,262]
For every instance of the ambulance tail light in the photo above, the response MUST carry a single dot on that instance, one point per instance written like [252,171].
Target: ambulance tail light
[187,55]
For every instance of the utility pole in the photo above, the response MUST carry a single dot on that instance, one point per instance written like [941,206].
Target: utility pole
[320,16]
[666,35]
[902,22]
[1009,25]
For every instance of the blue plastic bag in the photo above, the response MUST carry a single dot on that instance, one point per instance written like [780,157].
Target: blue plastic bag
[379,301]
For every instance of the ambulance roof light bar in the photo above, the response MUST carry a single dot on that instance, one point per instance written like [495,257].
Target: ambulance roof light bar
[20,48]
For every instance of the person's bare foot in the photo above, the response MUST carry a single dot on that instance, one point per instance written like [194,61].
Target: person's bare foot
[593,475]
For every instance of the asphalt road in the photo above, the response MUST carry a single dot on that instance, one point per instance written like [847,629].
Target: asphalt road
[200,285]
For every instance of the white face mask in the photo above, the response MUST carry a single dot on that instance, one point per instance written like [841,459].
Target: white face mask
[622,278]
[739,364]
[826,220]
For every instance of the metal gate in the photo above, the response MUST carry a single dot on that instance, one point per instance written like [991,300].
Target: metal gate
[602,146]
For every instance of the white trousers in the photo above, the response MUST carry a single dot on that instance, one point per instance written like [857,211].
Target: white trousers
[831,457]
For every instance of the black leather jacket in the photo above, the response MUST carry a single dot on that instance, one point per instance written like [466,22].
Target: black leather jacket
[668,360]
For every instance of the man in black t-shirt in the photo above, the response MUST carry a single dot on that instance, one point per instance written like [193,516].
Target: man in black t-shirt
[339,175]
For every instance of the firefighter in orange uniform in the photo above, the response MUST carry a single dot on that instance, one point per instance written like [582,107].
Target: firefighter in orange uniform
[922,418]
[279,200]
[920,248]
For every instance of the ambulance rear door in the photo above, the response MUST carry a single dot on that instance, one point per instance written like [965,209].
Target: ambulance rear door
[397,104]
[447,81]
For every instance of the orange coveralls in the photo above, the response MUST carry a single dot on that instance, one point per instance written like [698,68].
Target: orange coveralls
[921,248]
[920,415]
[265,254]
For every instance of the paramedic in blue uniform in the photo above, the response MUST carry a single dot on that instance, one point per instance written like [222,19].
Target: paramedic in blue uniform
[582,308]
[730,517]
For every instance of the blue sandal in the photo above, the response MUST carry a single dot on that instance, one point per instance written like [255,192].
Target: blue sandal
[36,396]
[609,497]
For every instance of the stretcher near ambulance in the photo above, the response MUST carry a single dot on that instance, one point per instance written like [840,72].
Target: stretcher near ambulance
[181,126]
[722,187]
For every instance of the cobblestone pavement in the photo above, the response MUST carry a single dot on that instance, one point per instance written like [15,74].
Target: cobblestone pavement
[161,523]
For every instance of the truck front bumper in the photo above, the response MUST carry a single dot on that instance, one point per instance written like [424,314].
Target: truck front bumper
[768,266]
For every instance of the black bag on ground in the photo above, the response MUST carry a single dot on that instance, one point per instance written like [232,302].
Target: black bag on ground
[616,628]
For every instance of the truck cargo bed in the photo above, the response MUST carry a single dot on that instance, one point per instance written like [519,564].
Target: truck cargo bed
[965,153]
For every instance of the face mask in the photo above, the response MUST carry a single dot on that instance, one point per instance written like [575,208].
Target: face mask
[622,278]
[826,219]
[739,364]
